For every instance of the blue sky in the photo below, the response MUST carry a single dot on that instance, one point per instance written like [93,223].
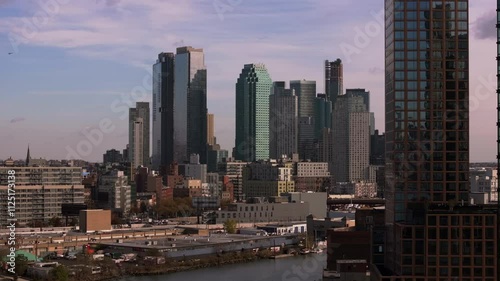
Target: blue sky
[73,59]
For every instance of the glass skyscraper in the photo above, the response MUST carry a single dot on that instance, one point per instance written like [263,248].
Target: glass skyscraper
[163,110]
[427,90]
[283,121]
[252,113]
[190,105]
[432,232]
[306,93]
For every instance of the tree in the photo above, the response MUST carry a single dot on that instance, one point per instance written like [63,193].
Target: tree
[73,222]
[60,273]
[230,226]
[144,207]
[134,209]
[3,253]
[55,222]
[116,219]
[21,265]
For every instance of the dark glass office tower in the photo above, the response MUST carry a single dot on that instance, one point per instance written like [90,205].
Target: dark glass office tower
[432,233]
[283,121]
[306,93]
[163,111]
[190,105]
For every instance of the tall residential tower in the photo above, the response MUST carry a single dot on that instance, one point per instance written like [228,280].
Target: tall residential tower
[432,232]
[139,135]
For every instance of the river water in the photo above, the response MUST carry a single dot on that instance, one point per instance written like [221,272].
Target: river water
[299,268]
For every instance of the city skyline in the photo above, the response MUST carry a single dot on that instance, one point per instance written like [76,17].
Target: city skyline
[106,64]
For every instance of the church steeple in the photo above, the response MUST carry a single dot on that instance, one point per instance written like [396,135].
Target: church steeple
[28,158]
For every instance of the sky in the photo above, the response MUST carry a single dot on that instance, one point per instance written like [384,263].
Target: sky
[77,65]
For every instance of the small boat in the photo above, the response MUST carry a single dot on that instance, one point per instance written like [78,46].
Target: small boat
[317,251]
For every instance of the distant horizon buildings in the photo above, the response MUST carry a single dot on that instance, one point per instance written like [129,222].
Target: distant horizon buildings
[253,88]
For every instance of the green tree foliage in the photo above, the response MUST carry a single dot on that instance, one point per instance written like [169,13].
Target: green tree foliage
[230,226]
[60,273]
[178,207]
[55,222]
[21,265]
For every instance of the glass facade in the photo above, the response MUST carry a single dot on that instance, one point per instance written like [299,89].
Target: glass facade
[252,113]
[323,115]
[306,93]
[427,119]
[283,122]
[190,105]
[163,116]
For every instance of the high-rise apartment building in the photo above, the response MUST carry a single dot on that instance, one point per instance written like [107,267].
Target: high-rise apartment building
[112,156]
[163,110]
[334,80]
[283,121]
[366,100]
[351,139]
[114,191]
[40,193]
[427,136]
[252,113]
[138,144]
[361,93]
[233,170]
[139,135]
[190,105]
[431,231]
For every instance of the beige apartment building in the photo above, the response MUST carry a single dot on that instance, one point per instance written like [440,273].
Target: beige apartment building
[40,192]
